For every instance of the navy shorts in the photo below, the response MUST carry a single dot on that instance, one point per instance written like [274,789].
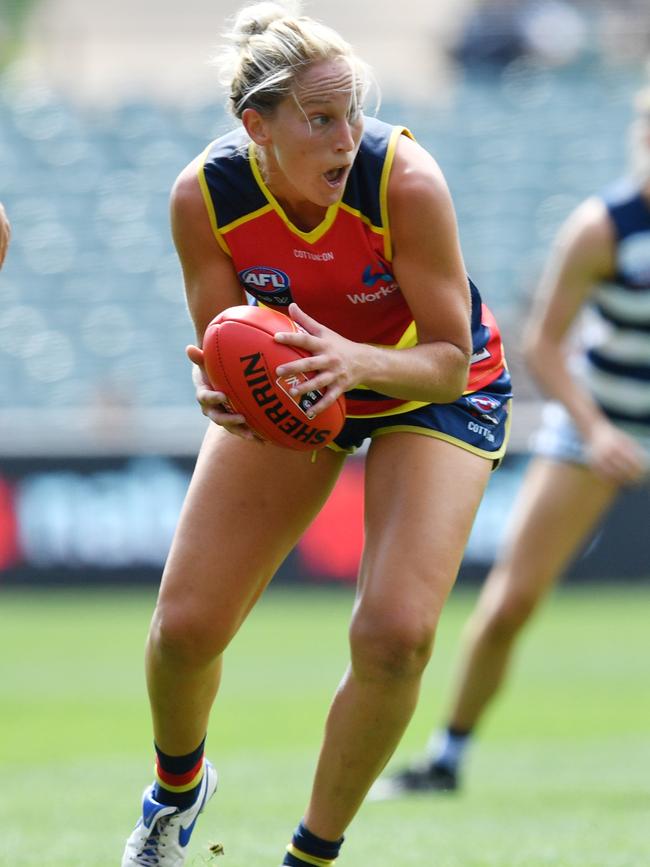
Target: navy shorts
[477,422]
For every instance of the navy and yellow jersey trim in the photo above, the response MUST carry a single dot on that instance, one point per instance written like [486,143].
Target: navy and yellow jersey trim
[310,237]
[227,181]
[366,192]
[235,191]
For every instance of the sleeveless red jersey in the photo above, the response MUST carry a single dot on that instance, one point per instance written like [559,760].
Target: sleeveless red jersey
[340,272]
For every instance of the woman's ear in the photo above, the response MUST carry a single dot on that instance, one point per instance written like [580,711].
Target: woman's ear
[256,126]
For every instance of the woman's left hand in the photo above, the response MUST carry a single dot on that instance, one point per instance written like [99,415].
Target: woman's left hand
[336,363]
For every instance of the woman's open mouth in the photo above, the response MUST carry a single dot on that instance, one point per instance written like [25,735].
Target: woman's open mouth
[335,177]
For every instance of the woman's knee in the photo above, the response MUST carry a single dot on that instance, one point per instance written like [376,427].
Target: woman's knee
[390,644]
[503,614]
[183,634]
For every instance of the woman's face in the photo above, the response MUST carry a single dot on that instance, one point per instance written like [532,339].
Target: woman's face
[312,138]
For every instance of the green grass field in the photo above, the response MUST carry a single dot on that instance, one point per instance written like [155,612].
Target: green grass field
[559,776]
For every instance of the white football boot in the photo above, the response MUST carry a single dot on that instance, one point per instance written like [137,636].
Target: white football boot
[162,835]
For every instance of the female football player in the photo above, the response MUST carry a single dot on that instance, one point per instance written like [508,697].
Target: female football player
[354,221]
[595,441]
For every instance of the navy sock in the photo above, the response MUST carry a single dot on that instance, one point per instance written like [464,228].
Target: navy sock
[307,848]
[178,778]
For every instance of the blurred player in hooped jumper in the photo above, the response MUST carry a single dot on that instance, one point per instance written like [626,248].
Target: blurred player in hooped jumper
[5,234]
[353,221]
[595,438]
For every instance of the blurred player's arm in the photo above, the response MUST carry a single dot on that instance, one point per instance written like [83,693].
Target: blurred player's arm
[5,234]
[582,257]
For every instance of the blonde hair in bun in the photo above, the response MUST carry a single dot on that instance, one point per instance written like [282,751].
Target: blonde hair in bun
[254,20]
[267,47]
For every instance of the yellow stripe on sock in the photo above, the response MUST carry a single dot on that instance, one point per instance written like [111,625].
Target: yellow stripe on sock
[186,788]
[309,859]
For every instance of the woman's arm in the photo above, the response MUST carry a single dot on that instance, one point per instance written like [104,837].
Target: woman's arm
[211,285]
[429,268]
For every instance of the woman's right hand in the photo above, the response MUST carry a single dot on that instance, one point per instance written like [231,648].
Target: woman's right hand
[214,404]
[615,455]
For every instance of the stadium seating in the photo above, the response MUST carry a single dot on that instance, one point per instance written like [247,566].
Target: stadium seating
[91,300]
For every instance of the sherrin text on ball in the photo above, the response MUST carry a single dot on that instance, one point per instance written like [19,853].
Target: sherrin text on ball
[241,357]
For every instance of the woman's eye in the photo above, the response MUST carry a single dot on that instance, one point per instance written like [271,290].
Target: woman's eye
[319,120]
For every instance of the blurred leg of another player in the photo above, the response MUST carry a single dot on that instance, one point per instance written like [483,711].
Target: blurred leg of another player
[558,506]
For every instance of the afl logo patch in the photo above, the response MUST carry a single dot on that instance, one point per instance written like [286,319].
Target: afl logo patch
[269,285]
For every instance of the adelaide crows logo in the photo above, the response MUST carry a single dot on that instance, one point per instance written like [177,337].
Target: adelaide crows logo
[482,406]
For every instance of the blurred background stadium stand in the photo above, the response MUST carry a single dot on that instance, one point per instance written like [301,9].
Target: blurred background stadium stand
[101,105]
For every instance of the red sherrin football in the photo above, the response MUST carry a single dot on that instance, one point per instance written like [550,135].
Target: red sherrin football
[241,356]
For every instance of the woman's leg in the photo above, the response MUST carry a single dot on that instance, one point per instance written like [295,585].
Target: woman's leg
[558,506]
[246,507]
[421,499]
